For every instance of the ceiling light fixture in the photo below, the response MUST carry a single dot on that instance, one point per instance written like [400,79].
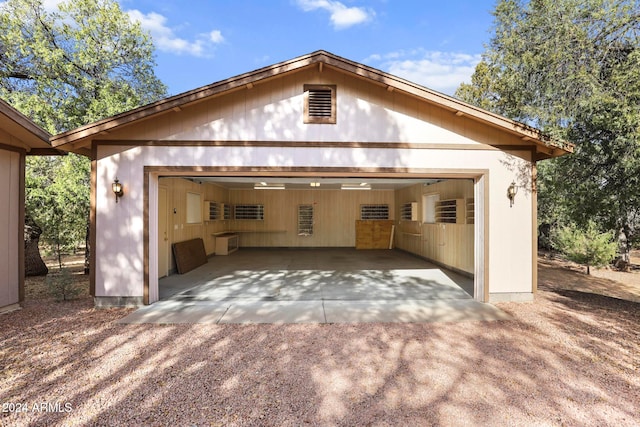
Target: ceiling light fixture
[265,186]
[315,184]
[363,186]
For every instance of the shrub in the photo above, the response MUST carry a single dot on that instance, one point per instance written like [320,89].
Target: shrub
[62,287]
[588,247]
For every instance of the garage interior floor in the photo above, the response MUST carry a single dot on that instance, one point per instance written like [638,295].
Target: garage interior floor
[319,285]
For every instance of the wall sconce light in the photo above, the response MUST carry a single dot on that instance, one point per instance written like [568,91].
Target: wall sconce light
[116,186]
[511,193]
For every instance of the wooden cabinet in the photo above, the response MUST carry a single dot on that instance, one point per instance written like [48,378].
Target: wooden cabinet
[470,211]
[211,210]
[215,211]
[373,234]
[451,211]
[409,211]
[226,243]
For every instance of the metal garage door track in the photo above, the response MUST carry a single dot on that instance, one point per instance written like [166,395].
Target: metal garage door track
[316,286]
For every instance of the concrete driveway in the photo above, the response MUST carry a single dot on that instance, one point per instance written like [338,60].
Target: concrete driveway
[334,285]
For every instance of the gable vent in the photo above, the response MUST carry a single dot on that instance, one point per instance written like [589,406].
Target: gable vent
[320,104]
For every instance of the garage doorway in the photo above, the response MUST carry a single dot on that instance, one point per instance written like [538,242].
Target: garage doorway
[402,224]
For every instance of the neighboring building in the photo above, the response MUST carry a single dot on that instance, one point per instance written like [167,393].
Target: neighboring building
[19,137]
[441,167]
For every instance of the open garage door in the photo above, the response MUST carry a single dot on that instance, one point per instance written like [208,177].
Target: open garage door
[434,220]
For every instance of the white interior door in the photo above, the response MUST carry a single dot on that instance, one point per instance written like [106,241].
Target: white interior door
[163,233]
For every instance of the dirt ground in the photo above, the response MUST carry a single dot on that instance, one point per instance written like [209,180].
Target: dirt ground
[571,357]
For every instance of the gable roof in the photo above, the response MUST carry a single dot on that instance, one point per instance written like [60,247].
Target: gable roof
[78,139]
[23,133]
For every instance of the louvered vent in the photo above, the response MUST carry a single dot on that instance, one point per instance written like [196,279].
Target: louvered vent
[320,104]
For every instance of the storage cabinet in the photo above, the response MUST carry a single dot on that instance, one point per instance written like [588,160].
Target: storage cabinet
[211,210]
[409,211]
[217,211]
[470,211]
[226,243]
[249,212]
[374,212]
[227,211]
[451,211]
[305,220]
[373,234]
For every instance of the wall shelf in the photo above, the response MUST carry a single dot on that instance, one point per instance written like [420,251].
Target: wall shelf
[211,210]
[450,211]
[409,211]
[380,212]
[255,212]
[305,220]
[470,211]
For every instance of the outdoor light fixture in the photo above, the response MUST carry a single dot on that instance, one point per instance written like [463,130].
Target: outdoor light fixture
[315,184]
[511,193]
[116,186]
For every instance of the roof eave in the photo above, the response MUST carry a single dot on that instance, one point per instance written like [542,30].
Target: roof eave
[30,133]
[392,82]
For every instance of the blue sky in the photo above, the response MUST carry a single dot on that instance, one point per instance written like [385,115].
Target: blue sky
[433,43]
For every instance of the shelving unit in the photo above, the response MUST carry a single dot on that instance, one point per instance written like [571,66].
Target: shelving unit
[255,212]
[368,212]
[227,211]
[470,211]
[451,211]
[305,220]
[409,211]
[211,211]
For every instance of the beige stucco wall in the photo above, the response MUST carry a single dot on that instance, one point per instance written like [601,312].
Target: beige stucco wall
[9,228]
[273,112]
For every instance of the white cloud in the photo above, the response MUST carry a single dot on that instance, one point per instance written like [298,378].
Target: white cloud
[216,36]
[440,71]
[166,40]
[341,16]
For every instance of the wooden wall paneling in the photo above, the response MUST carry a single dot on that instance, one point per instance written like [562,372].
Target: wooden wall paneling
[179,230]
[449,244]
[335,212]
[220,195]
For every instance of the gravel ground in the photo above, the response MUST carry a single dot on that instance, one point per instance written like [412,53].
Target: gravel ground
[570,358]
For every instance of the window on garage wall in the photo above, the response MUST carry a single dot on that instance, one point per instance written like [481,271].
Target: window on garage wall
[194,208]
[429,202]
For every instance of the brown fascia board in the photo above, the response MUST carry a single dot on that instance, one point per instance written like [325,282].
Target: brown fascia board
[30,133]
[181,100]
[528,133]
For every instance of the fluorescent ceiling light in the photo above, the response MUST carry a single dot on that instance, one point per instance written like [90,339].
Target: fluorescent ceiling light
[265,186]
[363,186]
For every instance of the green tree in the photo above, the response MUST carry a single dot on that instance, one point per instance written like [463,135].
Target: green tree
[58,197]
[572,69]
[66,68]
[73,66]
[588,247]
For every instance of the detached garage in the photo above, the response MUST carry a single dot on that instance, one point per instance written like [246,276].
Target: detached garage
[315,152]
[19,137]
